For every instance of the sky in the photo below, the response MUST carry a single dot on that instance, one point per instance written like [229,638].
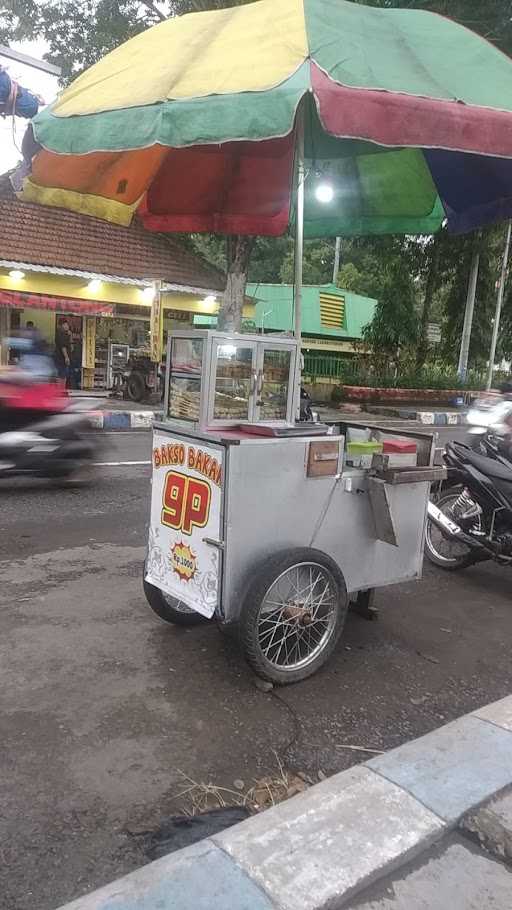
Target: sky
[40,83]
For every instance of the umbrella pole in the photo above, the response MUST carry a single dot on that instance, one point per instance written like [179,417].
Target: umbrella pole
[299,248]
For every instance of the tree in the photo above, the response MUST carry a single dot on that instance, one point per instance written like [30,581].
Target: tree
[395,323]
[317,262]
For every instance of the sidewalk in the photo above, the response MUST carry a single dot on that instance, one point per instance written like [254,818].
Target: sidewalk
[409,824]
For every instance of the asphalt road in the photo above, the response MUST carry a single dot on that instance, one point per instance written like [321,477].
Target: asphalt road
[105,708]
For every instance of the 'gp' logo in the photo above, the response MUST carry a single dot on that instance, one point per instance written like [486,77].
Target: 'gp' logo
[186,502]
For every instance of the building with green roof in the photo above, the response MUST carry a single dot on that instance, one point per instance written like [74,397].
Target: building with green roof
[332,318]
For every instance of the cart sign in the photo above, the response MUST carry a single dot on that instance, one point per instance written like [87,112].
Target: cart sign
[185,512]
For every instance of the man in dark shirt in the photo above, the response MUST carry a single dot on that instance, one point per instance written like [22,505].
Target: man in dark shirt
[63,349]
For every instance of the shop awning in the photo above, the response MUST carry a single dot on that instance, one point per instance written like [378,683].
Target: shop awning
[19,300]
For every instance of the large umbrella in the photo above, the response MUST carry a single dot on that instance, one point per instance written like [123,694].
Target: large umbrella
[403,116]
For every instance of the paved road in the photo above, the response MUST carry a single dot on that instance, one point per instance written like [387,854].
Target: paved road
[104,707]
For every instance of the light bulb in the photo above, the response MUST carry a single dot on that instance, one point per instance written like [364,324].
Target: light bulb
[94,285]
[148,294]
[16,274]
[324,192]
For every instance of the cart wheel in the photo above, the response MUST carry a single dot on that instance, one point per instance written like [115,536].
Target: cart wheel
[169,608]
[293,615]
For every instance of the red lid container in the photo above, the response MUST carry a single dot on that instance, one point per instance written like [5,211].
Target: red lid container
[400,446]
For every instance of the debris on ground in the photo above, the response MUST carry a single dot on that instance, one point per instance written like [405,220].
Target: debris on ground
[263,684]
[181,831]
[211,809]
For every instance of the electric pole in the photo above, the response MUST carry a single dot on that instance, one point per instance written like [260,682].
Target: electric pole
[468,315]
[499,303]
[337,252]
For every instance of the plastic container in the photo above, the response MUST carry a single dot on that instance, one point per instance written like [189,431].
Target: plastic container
[360,454]
[402,453]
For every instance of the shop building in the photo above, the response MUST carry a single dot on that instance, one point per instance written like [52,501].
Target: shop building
[100,276]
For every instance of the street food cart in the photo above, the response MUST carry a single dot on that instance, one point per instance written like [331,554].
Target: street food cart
[269,525]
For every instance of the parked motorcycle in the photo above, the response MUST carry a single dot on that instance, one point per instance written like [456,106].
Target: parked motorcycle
[44,432]
[471,520]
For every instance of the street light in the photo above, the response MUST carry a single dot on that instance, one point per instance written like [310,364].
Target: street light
[148,294]
[324,192]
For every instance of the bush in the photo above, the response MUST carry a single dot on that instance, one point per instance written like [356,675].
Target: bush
[432,376]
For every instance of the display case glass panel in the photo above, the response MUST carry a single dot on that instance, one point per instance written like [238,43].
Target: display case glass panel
[184,397]
[186,355]
[274,384]
[233,381]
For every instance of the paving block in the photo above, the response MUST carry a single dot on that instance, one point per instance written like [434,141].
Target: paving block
[491,825]
[498,713]
[453,876]
[200,877]
[319,848]
[96,419]
[140,419]
[454,768]
[116,420]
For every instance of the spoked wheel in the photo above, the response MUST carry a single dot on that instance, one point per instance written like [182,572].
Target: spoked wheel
[448,554]
[293,615]
[170,609]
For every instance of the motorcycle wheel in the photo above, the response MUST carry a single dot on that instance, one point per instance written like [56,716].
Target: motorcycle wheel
[446,554]
[135,386]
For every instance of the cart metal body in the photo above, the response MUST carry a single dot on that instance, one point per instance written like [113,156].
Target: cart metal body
[263,501]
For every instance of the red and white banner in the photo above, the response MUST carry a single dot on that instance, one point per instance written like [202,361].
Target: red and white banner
[20,300]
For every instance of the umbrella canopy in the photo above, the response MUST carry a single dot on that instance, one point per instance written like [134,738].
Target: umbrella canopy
[406,114]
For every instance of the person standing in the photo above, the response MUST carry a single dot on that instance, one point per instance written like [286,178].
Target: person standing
[63,350]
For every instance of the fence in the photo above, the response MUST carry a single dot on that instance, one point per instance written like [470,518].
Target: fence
[324,367]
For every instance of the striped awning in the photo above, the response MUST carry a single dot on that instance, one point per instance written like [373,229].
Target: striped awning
[20,300]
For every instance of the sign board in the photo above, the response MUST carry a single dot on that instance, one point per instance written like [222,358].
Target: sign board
[433,332]
[89,343]
[186,501]
[156,325]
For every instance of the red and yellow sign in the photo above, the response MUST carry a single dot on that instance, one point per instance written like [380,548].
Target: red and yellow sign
[197,459]
[184,561]
[186,502]
[186,520]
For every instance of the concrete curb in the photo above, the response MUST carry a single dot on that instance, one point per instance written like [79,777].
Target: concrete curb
[124,420]
[319,849]
[142,420]
[429,418]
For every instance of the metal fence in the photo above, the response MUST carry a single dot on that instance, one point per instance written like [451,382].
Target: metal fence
[323,367]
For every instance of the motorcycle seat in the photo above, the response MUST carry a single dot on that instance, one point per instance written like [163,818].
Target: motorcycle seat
[489,466]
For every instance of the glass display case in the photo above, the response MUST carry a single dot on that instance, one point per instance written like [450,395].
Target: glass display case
[224,379]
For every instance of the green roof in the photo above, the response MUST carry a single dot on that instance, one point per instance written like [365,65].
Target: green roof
[274,309]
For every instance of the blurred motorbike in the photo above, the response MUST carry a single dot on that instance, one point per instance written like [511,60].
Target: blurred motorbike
[44,432]
[490,419]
